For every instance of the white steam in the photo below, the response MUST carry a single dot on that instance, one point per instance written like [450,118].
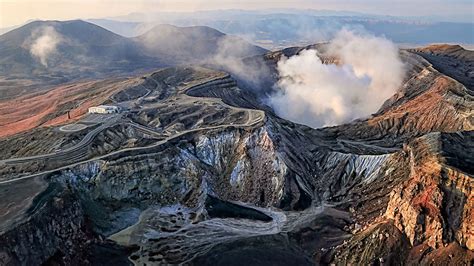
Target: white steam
[43,46]
[317,94]
[229,56]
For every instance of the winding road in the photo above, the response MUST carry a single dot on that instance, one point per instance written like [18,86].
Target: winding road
[79,150]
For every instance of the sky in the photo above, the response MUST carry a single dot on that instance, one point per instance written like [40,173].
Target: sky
[16,12]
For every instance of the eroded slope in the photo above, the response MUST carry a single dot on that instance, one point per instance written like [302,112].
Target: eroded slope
[195,169]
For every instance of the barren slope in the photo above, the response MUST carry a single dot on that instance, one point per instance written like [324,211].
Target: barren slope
[200,172]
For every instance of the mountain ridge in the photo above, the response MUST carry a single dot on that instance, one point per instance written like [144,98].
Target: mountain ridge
[197,169]
[44,53]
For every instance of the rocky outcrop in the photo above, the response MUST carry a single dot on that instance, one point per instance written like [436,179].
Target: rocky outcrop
[435,205]
[425,206]
[347,170]
[379,244]
[186,175]
[56,226]
[449,254]
[427,102]
[451,60]
[233,164]
[253,172]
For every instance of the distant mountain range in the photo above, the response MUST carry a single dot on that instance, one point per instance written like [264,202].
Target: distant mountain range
[52,52]
[196,43]
[275,29]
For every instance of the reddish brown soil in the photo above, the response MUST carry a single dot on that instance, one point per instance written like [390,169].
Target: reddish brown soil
[426,110]
[51,107]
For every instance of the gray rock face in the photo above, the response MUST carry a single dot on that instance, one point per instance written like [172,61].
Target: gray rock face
[395,183]
[55,226]
[211,164]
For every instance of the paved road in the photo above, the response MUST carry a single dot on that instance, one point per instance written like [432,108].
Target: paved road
[254,117]
[84,142]
[75,152]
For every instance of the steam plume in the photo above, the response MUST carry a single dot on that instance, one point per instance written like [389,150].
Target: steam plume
[317,94]
[229,56]
[45,45]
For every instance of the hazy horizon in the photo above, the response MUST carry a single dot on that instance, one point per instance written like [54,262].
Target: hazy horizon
[14,13]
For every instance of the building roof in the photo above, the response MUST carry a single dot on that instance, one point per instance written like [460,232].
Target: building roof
[107,106]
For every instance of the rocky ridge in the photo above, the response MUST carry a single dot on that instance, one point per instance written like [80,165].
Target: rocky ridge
[395,188]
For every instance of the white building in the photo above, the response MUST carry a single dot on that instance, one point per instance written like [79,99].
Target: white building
[104,109]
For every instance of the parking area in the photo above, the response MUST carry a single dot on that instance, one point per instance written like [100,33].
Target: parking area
[92,119]
[72,127]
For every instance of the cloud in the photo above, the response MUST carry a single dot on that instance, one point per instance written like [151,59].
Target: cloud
[44,45]
[316,94]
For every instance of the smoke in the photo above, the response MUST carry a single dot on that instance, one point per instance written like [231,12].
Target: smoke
[44,45]
[231,54]
[317,94]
